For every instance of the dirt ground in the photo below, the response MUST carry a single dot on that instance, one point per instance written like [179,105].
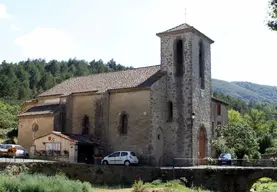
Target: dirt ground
[126,190]
[113,190]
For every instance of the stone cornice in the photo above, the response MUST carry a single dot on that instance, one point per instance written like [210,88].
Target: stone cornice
[186,30]
[133,89]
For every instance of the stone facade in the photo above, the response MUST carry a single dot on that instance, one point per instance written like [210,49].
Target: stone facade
[25,134]
[219,114]
[159,103]
[187,97]
[135,105]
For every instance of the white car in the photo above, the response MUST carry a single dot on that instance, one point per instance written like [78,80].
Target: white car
[120,158]
[20,151]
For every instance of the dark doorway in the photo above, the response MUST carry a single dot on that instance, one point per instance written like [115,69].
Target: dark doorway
[85,153]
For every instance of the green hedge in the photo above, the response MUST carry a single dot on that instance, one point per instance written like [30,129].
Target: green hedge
[41,183]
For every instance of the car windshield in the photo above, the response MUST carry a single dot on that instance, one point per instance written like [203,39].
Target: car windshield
[6,146]
[19,147]
[133,154]
[225,155]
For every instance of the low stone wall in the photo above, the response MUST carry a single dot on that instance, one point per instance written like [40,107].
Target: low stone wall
[95,174]
[213,178]
[270,155]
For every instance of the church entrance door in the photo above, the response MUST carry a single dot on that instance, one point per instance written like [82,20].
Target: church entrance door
[202,145]
[160,147]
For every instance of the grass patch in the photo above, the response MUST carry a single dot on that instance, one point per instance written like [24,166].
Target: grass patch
[264,185]
[159,186]
[155,186]
[41,183]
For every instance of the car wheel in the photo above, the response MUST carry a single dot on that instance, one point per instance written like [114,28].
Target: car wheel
[105,162]
[127,163]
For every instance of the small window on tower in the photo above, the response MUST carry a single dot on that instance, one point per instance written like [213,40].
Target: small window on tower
[213,131]
[218,109]
[201,65]
[170,111]
[178,57]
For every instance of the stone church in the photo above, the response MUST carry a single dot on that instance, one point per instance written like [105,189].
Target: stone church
[159,112]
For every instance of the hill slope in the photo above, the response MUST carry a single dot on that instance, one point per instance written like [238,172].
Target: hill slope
[246,91]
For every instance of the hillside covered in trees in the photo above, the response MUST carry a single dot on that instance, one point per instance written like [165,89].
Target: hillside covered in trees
[26,79]
[246,91]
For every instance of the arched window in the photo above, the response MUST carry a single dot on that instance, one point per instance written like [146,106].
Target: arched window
[179,57]
[35,127]
[170,111]
[201,65]
[123,129]
[85,125]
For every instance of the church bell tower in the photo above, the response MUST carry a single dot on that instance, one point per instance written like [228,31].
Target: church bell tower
[186,59]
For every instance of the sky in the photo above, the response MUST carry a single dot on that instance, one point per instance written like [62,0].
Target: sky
[125,30]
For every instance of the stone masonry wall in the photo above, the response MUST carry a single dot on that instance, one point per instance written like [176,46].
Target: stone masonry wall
[185,94]
[179,92]
[201,98]
[84,105]
[162,152]
[136,105]
[25,134]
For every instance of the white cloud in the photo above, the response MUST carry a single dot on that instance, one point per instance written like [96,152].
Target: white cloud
[3,11]
[14,27]
[47,43]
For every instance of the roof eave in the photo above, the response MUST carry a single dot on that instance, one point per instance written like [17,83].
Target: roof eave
[189,29]
[93,92]
[33,114]
[128,89]
[219,100]
[50,95]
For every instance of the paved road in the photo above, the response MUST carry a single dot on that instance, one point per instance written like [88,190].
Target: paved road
[18,160]
[217,167]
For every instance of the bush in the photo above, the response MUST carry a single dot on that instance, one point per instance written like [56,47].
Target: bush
[209,160]
[139,186]
[40,183]
[271,150]
[16,170]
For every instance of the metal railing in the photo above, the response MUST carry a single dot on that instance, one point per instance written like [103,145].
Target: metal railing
[148,161]
[187,162]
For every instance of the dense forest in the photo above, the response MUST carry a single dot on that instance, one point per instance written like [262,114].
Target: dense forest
[246,91]
[26,79]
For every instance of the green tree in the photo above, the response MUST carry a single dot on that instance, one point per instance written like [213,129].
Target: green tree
[256,120]
[238,137]
[272,128]
[272,20]
[234,116]
[265,141]
[8,118]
